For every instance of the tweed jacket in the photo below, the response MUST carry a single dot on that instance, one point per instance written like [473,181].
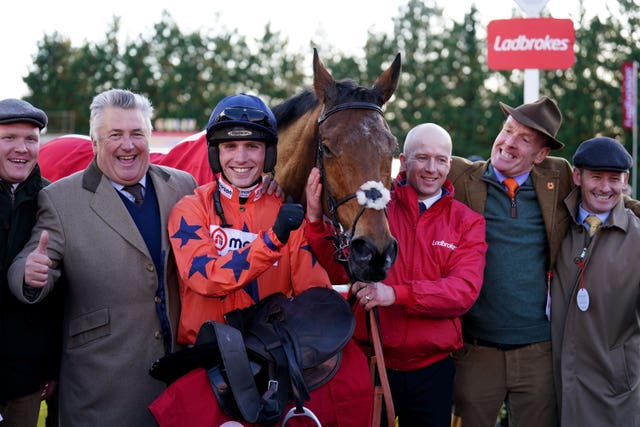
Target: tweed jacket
[552,181]
[596,353]
[111,331]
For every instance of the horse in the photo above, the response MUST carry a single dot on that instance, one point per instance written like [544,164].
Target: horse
[340,127]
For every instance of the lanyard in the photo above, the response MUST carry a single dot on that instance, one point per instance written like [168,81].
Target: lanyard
[582,298]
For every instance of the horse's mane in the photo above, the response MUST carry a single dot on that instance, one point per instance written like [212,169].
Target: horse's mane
[295,107]
[292,109]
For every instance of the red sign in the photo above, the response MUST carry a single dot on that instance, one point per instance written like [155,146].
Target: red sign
[536,43]
[629,104]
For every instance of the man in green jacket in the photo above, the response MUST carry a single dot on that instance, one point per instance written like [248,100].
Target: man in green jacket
[28,334]
[507,352]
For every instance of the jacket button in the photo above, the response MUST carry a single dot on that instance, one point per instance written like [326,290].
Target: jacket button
[157,299]
[150,267]
[157,335]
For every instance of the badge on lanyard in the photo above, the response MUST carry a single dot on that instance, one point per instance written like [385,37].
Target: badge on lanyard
[582,299]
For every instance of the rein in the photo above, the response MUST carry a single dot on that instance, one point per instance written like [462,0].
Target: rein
[370,195]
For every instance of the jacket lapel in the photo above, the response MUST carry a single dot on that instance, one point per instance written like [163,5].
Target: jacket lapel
[477,189]
[547,183]
[108,206]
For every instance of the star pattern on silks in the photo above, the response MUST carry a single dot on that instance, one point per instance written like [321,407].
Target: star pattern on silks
[313,256]
[186,232]
[238,262]
[199,265]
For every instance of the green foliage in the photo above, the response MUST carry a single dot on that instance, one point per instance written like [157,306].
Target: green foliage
[444,79]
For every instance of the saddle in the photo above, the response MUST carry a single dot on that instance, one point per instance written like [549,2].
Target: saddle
[269,354]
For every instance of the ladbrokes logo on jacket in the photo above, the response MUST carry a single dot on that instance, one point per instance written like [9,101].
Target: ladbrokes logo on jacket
[444,244]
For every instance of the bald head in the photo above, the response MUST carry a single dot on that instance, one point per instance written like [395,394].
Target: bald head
[430,134]
[426,159]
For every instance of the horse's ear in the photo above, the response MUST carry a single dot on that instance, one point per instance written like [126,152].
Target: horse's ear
[322,79]
[387,82]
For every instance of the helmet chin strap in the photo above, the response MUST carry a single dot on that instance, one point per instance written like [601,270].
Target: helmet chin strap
[217,204]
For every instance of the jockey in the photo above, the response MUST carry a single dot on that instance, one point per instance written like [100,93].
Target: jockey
[235,244]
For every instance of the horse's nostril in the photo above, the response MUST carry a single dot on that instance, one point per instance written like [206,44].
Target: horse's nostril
[360,251]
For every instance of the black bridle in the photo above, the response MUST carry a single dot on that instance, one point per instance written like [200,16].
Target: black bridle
[341,238]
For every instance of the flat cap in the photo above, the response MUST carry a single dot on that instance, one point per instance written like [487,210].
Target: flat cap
[602,154]
[18,111]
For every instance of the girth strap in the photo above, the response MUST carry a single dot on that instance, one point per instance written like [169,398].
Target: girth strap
[238,370]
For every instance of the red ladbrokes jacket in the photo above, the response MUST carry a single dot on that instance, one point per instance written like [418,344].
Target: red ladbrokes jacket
[436,278]
[220,267]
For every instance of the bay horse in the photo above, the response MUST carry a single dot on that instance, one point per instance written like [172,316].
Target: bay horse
[340,127]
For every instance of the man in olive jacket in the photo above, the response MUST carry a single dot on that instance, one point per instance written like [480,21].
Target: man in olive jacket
[29,334]
[595,295]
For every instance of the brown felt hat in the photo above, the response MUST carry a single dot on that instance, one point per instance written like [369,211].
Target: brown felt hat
[542,115]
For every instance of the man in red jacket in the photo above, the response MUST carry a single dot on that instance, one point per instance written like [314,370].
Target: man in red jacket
[435,280]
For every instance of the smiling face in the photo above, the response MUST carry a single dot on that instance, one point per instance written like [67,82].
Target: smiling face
[242,162]
[19,148]
[517,148]
[600,190]
[122,149]
[427,159]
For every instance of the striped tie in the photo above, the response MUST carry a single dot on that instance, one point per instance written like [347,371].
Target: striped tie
[136,191]
[594,222]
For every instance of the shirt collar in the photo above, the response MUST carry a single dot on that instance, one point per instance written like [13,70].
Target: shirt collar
[11,186]
[520,179]
[120,187]
[582,214]
[228,190]
[431,200]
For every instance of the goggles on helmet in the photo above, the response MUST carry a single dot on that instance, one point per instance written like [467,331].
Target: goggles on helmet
[252,115]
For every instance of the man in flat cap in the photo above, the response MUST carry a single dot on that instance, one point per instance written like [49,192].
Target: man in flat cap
[28,340]
[506,357]
[595,294]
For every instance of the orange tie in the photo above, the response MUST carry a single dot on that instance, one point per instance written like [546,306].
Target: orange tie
[511,185]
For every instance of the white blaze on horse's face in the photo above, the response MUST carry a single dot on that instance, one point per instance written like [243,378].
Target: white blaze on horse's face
[340,128]
[242,161]
[357,152]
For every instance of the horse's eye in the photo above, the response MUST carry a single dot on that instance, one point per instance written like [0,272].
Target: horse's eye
[326,150]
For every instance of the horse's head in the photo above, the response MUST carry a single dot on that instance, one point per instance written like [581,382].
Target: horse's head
[355,152]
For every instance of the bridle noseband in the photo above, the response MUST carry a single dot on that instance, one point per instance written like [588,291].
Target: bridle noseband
[370,195]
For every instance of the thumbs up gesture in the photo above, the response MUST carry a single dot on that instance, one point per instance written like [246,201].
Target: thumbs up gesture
[36,268]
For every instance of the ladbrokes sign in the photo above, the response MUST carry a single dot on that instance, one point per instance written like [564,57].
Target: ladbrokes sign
[538,43]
